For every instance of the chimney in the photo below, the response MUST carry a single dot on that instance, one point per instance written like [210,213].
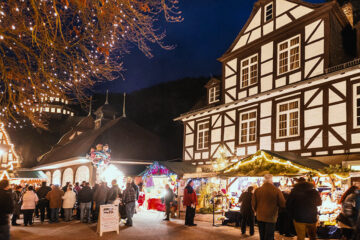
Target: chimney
[348,9]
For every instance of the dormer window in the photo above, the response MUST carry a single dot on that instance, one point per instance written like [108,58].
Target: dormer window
[269,12]
[214,94]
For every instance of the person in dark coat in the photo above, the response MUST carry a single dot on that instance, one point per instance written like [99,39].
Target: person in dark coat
[85,197]
[113,192]
[100,196]
[129,198]
[16,196]
[168,199]
[302,206]
[247,211]
[190,201]
[43,202]
[285,224]
[6,208]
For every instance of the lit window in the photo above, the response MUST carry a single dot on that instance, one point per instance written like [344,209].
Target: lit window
[52,110]
[10,156]
[203,135]
[214,93]
[248,127]
[66,102]
[51,99]
[58,110]
[288,119]
[289,55]
[72,114]
[57,99]
[67,112]
[64,111]
[249,71]
[269,12]
[356,105]
[46,109]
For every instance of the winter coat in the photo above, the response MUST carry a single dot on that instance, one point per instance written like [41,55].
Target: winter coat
[85,195]
[189,197]
[246,207]
[100,194]
[169,196]
[266,202]
[6,206]
[129,195]
[16,196]
[69,199]
[303,202]
[113,193]
[55,197]
[29,200]
[42,192]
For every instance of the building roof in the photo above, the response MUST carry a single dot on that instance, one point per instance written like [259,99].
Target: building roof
[25,174]
[126,139]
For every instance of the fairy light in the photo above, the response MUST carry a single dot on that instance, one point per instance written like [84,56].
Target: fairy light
[63,65]
[261,155]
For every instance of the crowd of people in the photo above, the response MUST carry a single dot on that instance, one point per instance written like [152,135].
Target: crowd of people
[52,202]
[295,213]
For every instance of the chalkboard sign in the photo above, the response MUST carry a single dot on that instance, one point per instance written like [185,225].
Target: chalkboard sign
[108,220]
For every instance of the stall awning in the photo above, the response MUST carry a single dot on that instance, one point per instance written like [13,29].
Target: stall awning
[168,168]
[275,163]
[29,175]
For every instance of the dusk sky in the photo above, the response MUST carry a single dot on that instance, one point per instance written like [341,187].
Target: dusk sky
[208,29]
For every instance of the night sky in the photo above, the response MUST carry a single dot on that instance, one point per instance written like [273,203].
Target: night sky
[208,29]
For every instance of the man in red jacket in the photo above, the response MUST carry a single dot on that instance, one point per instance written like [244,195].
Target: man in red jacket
[190,201]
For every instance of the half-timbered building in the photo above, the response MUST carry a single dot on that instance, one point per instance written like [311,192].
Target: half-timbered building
[290,83]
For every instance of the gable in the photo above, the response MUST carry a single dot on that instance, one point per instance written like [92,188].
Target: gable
[284,12]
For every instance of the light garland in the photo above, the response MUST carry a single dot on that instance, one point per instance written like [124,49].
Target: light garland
[12,148]
[261,155]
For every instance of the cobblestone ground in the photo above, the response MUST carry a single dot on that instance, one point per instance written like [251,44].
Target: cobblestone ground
[147,225]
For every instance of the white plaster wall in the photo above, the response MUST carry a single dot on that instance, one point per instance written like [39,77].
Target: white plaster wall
[337,113]
[355,138]
[314,49]
[256,21]
[267,67]
[267,51]
[283,6]
[280,82]
[282,21]
[266,83]
[265,143]
[253,90]
[216,135]
[294,145]
[268,27]
[255,34]
[189,140]
[265,109]
[314,117]
[265,126]
[296,77]
[279,146]
[300,11]
[230,82]
[229,133]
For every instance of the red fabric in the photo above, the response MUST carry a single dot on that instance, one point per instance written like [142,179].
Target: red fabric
[141,199]
[189,198]
[156,204]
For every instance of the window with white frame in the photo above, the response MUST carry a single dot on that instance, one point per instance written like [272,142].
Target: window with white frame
[288,119]
[289,55]
[249,71]
[268,12]
[203,135]
[248,127]
[356,105]
[214,93]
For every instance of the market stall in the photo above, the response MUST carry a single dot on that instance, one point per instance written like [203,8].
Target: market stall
[156,176]
[286,167]
[20,177]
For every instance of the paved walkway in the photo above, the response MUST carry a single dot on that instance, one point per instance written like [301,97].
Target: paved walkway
[147,226]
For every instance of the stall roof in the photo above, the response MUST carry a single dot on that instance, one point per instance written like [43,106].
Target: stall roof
[29,174]
[179,168]
[276,163]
